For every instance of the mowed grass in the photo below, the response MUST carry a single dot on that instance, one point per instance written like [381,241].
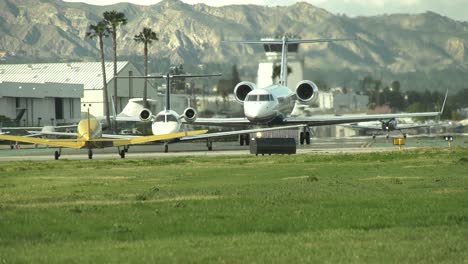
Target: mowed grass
[391,207]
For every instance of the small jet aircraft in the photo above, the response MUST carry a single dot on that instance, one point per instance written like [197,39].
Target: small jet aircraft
[89,136]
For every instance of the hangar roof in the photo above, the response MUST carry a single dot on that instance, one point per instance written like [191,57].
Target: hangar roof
[89,74]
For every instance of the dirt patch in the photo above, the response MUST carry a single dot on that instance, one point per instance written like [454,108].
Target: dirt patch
[391,177]
[295,178]
[449,190]
[115,202]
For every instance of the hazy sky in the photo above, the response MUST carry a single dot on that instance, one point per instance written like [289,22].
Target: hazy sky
[457,9]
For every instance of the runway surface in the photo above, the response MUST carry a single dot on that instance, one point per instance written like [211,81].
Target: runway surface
[328,145]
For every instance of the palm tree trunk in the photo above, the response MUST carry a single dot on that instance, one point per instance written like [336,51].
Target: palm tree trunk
[114,41]
[104,80]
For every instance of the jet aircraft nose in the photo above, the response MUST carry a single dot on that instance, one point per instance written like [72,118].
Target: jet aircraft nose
[162,128]
[258,111]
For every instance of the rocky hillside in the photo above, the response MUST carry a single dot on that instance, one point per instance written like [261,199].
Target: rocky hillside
[422,45]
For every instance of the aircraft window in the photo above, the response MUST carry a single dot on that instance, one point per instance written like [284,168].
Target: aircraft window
[264,97]
[171,118]
[160,118]
[252,98]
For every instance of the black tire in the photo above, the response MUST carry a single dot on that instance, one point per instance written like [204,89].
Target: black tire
[307,138]
[247,139]
[122,154]
[56,155]
[210,148]
[301,138]
[166,148]
[90,154]
[241,140]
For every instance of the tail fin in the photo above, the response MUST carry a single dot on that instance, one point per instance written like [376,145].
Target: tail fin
[443,104]
[284,50]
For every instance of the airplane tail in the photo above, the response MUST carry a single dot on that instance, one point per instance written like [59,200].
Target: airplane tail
[168,78]
[284,50]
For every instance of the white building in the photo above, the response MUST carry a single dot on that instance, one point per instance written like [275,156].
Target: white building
[60,91]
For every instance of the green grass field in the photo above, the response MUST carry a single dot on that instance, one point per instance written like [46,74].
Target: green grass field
[389,207]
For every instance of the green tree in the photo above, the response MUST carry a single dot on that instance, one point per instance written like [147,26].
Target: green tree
[147,36]
[100,31]
[114,19]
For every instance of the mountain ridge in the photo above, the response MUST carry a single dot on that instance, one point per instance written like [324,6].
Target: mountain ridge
[396,44]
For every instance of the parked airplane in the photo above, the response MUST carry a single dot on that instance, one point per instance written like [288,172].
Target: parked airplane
[89,135]
[272,105]
[386,126]
[169,121]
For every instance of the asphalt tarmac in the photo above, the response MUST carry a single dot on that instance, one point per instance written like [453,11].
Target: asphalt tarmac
[327,145]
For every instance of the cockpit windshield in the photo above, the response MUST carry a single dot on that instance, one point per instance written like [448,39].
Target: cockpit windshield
[171,118]
[259,98]
[166,118]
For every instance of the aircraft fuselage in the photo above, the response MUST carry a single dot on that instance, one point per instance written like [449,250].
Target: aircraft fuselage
[263,105]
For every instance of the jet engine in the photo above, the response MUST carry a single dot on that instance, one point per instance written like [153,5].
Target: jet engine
[145,115]
[242,89]
[307,92]
[189,114]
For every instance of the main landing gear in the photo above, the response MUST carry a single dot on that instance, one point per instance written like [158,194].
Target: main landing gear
[244,138]
[57,154]
[304,136]
[90,154]
[209,144]
[166,148]
[122,152]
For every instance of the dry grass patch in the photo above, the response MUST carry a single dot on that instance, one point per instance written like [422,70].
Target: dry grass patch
[114,202]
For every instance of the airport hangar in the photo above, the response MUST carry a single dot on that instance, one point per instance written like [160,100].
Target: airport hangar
[57,93]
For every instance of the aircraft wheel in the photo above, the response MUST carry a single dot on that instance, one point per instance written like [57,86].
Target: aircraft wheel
[307,138]
[301,138]
[56,155]
[247,139]
[122,154]
[210,148]
[404,135]
[166,148]
[241,140]
[90,154]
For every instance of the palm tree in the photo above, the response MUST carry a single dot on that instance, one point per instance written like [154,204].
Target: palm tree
[113,20]
[146,37]
[99,31]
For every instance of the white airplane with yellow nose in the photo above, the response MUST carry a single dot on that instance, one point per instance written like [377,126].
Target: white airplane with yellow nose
[89,136]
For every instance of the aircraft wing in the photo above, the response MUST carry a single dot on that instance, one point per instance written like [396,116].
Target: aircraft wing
[343,119]
[50,133]
[146,139]
[228,121]
[411,126]
[237,132]
[358,126]
[49,142]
